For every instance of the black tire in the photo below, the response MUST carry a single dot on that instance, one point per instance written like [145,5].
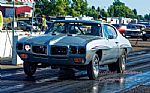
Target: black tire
[144,38]
[28,29]
[121,62]
[119,66]
[29,68]
[66,73]
[93,68]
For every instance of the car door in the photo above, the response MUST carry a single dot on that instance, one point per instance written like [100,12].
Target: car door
[111,54]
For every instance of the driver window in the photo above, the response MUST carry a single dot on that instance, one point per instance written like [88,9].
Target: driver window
[109,32]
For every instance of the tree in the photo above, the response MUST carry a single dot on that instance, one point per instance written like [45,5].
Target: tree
[118,3]
[75,7]
[140,17]
[103,13]
[93,7]
[147,17]
[78,7]
[135,12]
[98,9]
[93,13]
[61,7]
[118,9]
[84,8]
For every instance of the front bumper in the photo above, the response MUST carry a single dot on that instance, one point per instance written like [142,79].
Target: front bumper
[54,60]
[146,35]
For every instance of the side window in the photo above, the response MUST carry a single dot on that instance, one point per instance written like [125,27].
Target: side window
[105,29]
[110,32]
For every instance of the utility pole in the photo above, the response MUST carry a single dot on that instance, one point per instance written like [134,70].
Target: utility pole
[14,54]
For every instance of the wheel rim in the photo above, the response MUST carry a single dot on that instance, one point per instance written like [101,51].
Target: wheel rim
[96,65]
[123,62]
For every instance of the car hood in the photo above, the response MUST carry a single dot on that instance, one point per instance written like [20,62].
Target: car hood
[59,39]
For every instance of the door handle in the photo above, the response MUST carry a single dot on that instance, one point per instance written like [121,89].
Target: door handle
[116,42]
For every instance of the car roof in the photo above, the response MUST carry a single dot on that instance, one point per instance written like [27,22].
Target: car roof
[79,21]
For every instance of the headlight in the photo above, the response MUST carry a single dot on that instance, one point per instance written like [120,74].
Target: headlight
[73,49]
[81,50]
[144,32]
[77,50]
[27,47]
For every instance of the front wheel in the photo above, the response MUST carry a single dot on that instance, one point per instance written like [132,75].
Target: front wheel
[93,67]
[29,68]
[144,38]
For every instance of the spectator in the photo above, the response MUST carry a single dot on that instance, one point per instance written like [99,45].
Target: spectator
[1,21]
[44,25]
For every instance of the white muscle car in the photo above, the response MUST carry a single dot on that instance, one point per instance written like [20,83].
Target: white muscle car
[78,44]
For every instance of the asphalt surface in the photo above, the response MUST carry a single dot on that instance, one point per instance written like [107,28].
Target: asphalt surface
[136,79]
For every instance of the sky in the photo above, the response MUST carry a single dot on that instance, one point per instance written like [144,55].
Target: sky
[142,6]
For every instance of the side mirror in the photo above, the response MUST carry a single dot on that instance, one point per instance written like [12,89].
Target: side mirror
[110,36]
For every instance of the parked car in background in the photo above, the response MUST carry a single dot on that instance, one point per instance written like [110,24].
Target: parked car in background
[27,25]
[77,44]
[146,31]
[147,24]
[24,26]
[146,34]
[121,28]
[134,30]
[21,25]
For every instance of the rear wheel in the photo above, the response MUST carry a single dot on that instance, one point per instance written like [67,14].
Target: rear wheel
[121,62]
[119,66]
[29,68]
[93,67]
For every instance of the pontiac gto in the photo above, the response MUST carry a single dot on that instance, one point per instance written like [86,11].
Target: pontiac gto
[77,44]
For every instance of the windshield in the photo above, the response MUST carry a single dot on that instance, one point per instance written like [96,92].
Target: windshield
[75,28]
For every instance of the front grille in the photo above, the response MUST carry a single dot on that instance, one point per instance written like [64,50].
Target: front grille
[39,49]
[59,50]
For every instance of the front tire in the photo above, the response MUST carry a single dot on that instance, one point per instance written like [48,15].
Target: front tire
[93,68]
[144,38]
[29,68]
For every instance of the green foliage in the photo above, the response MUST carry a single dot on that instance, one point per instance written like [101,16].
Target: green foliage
[118,9]
[93,13]
[147,17]
[140,17]
[61,7]
[80,8]
[103,13]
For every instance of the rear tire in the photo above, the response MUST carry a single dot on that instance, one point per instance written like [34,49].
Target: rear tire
[93,68]
[29,68]
[121,62]
[119,66]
